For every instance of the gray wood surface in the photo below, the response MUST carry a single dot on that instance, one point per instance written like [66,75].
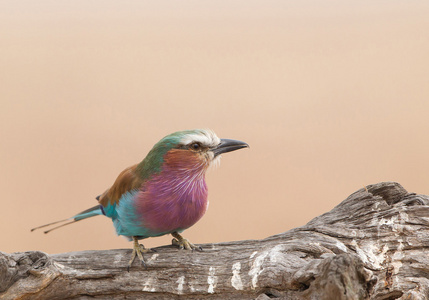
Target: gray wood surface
[373,245]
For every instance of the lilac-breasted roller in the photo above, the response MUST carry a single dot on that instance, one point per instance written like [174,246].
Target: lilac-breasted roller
[166,193]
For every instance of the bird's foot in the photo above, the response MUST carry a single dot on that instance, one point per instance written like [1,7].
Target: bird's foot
[183,243]
[138,251]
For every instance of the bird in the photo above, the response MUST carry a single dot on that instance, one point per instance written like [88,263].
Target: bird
[165,193]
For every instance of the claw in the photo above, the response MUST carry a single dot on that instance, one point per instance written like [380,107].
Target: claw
[183,243]
[138,251]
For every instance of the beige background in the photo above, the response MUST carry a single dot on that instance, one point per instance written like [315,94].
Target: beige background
[331,96]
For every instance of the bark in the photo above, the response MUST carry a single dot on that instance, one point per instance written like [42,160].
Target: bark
[373,245]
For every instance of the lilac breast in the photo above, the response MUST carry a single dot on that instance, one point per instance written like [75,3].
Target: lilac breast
[172,201]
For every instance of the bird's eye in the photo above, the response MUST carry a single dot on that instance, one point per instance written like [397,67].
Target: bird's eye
[195,146]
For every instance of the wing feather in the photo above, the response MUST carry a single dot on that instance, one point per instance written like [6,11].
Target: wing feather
[127,181]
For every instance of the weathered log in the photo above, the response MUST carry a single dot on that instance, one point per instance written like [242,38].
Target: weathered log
[371,246]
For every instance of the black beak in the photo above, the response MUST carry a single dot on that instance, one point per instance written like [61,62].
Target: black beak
[227,145]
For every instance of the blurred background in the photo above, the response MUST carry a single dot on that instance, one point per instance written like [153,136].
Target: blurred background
[330,95]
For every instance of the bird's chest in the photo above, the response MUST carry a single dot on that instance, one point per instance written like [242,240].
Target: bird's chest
[168,207]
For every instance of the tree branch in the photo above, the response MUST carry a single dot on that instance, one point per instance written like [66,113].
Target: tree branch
[370,246]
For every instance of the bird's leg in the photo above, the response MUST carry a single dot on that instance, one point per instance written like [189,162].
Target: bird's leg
[183,243]
[138,250]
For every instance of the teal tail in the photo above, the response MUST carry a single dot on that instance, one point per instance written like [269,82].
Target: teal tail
[90,212]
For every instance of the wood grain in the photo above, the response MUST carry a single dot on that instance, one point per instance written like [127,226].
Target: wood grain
[373,245]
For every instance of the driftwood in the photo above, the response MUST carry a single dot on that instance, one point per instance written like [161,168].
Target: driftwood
[371,246]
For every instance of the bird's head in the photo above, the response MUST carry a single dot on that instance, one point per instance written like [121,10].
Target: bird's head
[189,150]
